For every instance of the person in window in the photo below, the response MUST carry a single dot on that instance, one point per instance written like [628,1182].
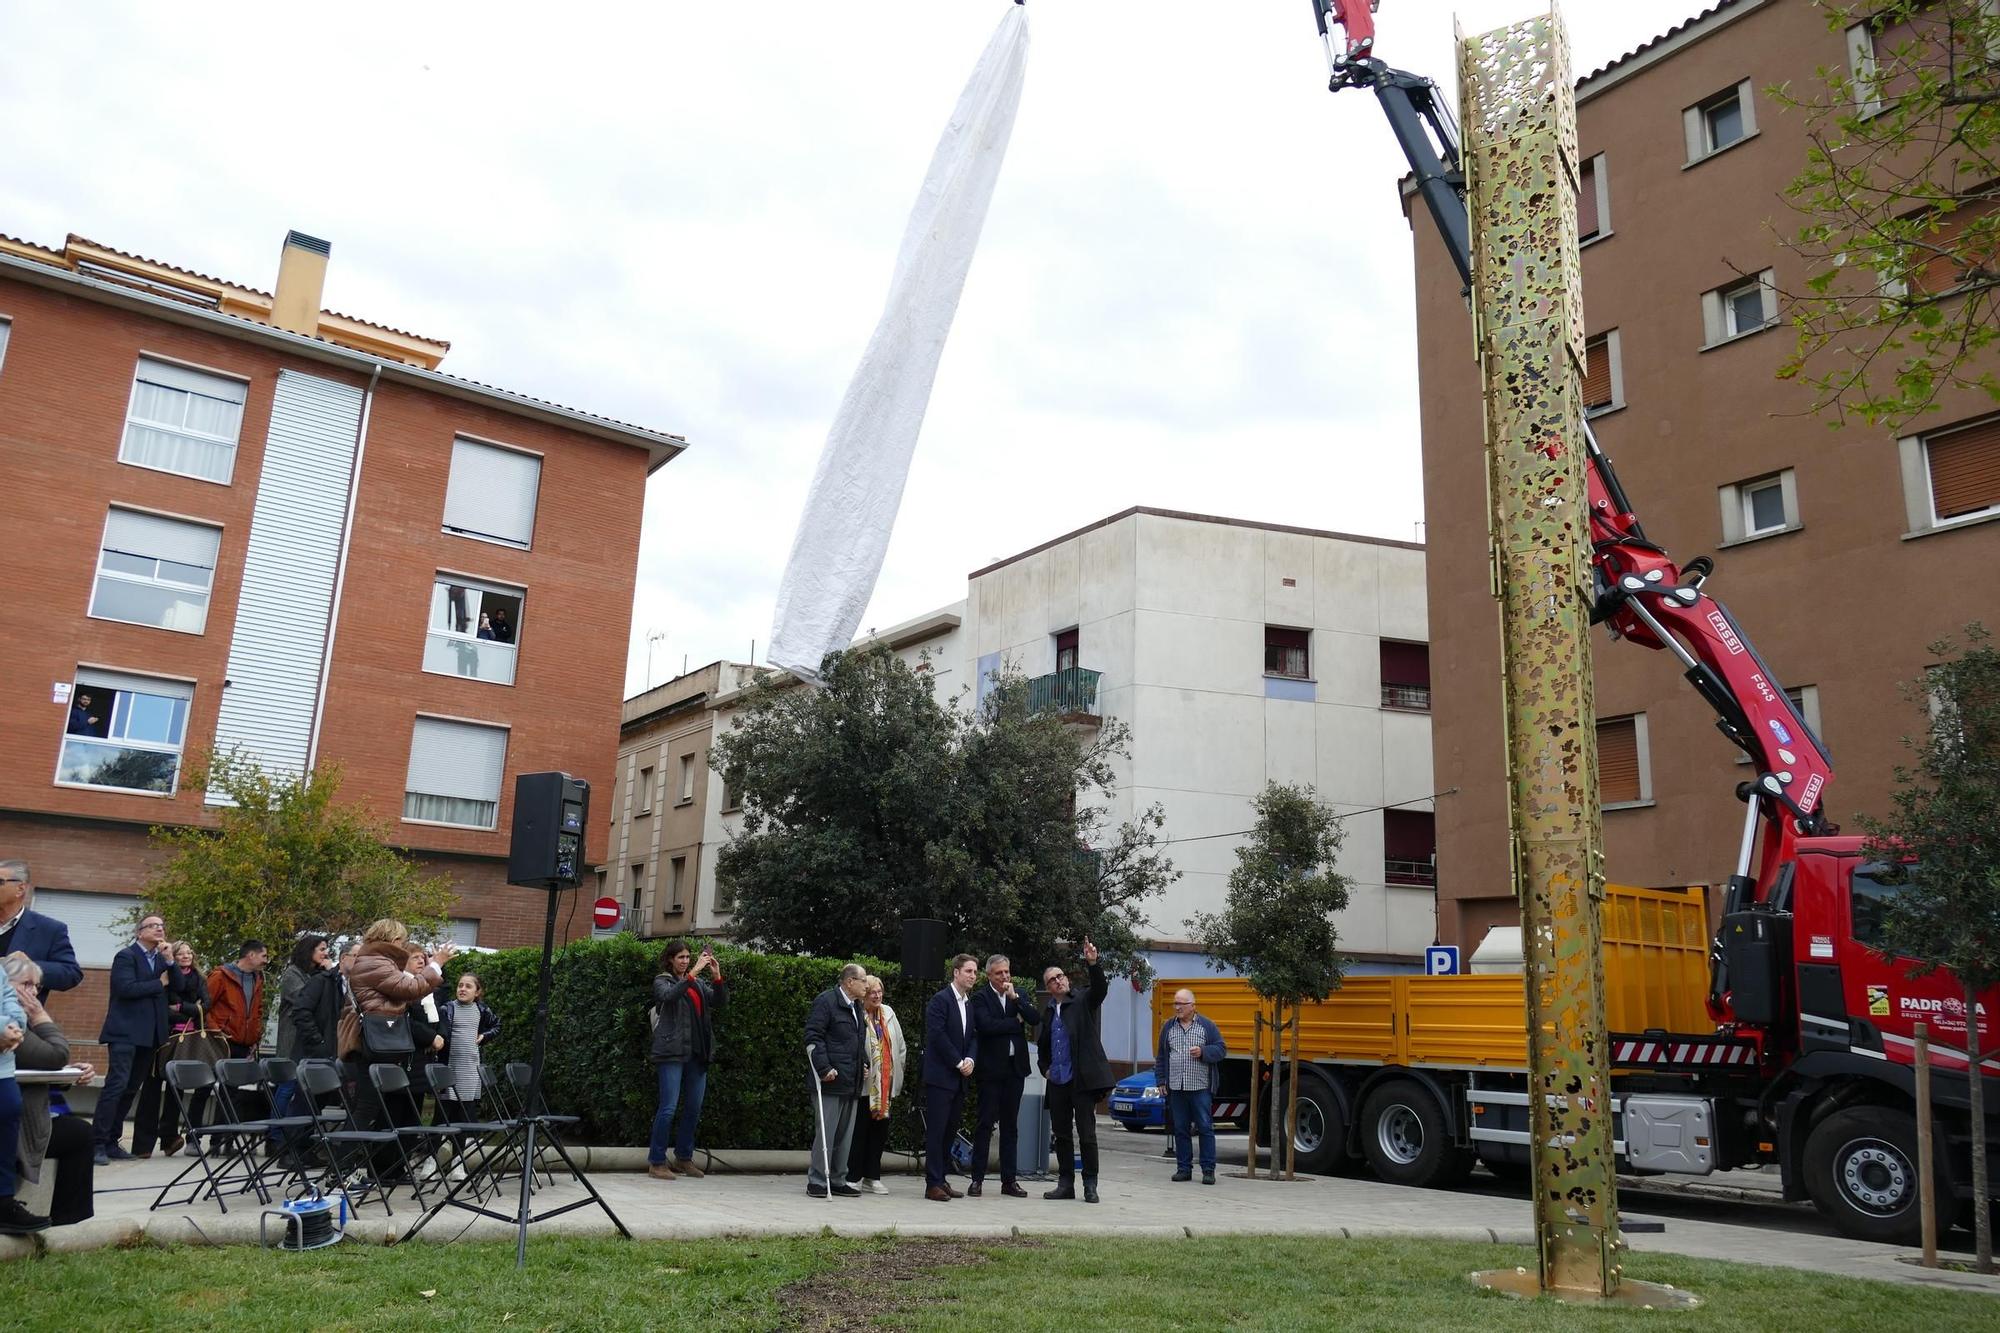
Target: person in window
[503,628]
[87,717]
[486,626]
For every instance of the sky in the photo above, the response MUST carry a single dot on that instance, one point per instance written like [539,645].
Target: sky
[1193,291]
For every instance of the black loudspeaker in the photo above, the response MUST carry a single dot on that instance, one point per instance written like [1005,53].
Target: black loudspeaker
[923,949]
[550,811]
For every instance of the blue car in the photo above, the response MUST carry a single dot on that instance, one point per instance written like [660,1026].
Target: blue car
[1136,1103]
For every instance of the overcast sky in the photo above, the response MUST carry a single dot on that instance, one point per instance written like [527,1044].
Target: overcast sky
[1193,290]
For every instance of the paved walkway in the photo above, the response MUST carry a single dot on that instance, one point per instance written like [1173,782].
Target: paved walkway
[1139,1199]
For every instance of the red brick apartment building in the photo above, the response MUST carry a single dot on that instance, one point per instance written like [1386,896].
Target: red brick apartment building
[237,520]
[1842,553]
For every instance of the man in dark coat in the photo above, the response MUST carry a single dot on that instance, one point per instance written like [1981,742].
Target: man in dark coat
[839,1058]
[43,938]
[135,1024]
[948,1046]
[1071,1055]
[1001,1017]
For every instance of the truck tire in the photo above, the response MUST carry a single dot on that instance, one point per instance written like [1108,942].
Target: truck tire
[1860,1169]
[1321,1139]
[1405,1137]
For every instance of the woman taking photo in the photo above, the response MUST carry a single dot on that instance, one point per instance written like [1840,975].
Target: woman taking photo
[684,1005]
[383,989]
[885,1082]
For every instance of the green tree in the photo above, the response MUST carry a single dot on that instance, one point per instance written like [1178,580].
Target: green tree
[284,858]
[1899,228]
[1276,927]
[1946,817]
[868,801]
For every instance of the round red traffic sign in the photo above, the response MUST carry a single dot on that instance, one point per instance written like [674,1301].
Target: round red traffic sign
[605,913]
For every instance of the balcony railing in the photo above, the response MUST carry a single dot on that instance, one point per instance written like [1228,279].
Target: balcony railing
[481,659]
[1411,698]
[1071,693]
[1417,874]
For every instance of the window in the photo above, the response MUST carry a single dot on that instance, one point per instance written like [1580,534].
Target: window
[1409,848]
[1624,762]
[1874,888]
[1760,507]
[474,629]
[462,931]
[1603,375]
[638,888]
[1963,258]
[1952,476]
[98,922]
[1066,650]
[1406,676]
[676,878]
[1926,43]
[492,493]
[183,420]
[1593,200]
[124,732]
[687,780]
[1724,120]
[1739,308]
[642,794]
[1286,652]
[153,570]
[1805,702]
[6,326]
[455,770]
[730,800]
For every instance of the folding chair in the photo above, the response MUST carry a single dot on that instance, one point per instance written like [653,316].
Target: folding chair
[237,1081]
[213,1149]
[279,1070]
[391,1083]
[349,1151]
[483,1135]
[530,1102]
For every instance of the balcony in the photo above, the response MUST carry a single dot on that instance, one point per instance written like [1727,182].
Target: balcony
[1411,874]
[460,655]
[1407,698]
[1072,694]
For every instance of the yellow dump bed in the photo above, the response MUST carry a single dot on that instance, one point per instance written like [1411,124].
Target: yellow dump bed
[1655,976]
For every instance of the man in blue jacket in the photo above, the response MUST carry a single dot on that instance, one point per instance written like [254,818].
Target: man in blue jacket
[1188,1067]
[948,1046]
[42,938]
[135,1024]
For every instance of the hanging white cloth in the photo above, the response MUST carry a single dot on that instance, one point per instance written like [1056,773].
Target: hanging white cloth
[851,507]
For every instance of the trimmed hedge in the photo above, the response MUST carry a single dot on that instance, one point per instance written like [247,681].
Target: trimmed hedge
[596,1064]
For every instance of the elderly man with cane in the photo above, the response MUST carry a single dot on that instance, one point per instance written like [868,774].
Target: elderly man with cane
[836,1048]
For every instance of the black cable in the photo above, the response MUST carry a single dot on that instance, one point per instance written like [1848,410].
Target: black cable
[1369,810]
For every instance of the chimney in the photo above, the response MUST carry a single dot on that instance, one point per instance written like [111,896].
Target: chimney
[301,280]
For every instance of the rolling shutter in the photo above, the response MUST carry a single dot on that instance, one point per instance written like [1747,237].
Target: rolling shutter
[1965,469]
[1618,761]
[492,493]
[1597,372]
[462,760]
[98,925]
[158,538]
[169,376]
[118,680]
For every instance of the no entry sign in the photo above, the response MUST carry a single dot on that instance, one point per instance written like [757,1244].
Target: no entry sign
[605,912]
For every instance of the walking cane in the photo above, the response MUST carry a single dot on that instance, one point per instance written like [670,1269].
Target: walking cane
[819,1106]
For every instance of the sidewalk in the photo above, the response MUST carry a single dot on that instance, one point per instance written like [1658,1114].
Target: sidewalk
[1139,1199]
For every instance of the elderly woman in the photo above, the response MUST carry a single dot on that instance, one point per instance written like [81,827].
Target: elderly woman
[885,1083]
[62,1144]
[383,987]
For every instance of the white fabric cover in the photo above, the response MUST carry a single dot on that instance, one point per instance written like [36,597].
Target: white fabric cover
[851,508]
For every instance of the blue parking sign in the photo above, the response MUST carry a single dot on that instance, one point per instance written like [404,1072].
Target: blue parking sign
[1441,960]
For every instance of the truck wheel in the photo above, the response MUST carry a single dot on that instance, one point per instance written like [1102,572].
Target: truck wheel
[1322,1133]
[1406,1141]
[1861,1170]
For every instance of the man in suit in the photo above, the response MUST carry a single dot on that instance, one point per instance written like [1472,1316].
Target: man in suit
[42,938]
[1001,1018]
[135,1023]
[839,1055]
[948,1062]
[1070,1048]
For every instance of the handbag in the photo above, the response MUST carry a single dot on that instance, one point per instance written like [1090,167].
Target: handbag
[201,1043]
[386,1036]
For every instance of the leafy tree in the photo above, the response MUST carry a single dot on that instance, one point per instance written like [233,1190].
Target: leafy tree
[1899,230]
[868,801]
[1947,819]
[1276,927]
[284,858]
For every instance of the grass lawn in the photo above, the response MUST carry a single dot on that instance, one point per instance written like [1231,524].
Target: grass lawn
[1070,1284]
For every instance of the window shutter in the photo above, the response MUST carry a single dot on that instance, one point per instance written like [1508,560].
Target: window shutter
[492,492]
[1943,272]
[1586,201]
[158,538]
[97,925]
[1617,761]
[462,760]
[1597,372]
[119,680]
[169,376]
[1406,663]
[1965,469]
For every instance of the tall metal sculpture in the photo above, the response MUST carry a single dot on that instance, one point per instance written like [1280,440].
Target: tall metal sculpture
[1520,160]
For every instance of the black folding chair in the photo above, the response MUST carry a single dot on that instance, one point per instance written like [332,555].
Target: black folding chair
[392,1088]
[480,1136]
[216,1150]
[350,1151]
[529,1101]
[240,1082]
